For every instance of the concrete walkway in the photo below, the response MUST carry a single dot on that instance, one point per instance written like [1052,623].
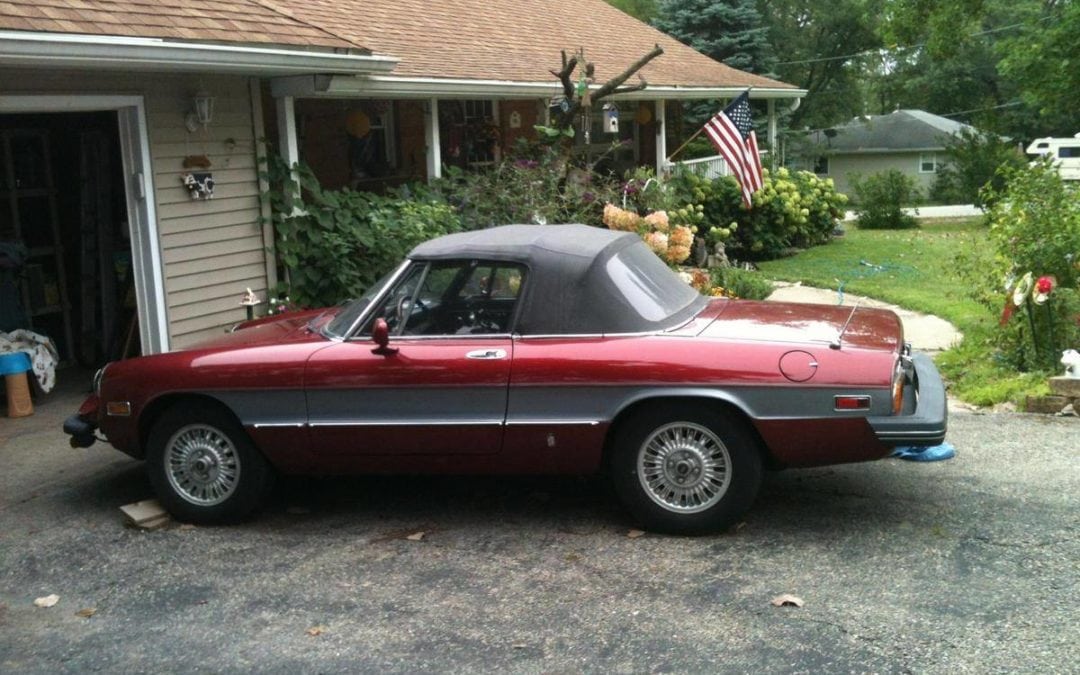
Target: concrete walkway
[925,332]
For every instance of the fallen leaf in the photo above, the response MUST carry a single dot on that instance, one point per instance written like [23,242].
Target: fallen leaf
[47,601]
[86,612]
[787,600]
[416,536]
[316,630]
[634,534]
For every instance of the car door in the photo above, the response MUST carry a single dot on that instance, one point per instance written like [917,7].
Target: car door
[443,387]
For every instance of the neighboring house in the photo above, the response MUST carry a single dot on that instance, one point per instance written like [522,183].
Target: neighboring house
[910,141]
[114,114]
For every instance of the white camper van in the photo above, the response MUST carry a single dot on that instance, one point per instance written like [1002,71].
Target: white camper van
[1065,151]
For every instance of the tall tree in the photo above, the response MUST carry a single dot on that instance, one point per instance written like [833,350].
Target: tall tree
[1044,62]
[643,10]
[730,31]
[828,49]
[1011,63]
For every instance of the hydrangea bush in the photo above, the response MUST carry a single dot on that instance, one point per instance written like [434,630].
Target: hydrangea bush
[792,210]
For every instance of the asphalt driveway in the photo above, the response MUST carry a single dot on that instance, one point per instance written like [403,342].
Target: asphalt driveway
[961,566]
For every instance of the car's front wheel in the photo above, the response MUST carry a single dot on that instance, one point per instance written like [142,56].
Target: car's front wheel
[203,466]
[686,468]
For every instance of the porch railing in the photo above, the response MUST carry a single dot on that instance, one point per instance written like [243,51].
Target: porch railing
[706,167]
[710,167]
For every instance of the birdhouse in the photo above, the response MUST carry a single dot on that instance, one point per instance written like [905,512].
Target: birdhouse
[611,118]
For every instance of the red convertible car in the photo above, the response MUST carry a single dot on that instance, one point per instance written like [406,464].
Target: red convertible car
[518,350]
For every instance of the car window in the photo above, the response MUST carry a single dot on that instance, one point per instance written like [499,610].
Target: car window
[650,289]
[460,297]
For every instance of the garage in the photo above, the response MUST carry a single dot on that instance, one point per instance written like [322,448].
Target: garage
[64,226]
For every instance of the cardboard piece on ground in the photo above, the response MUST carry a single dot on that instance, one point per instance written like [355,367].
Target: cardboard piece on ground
[147,514]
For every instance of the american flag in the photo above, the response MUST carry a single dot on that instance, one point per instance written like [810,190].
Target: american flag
[732,132]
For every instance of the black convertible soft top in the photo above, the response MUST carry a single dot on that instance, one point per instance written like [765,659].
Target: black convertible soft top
[581,279]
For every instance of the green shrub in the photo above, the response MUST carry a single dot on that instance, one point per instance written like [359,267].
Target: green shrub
[333,244]
[791,210]
[974,160]
[1034,230]
[1035,223]
[881,198]
[741,283]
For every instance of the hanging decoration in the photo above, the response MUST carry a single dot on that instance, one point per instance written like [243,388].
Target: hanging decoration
[199,184]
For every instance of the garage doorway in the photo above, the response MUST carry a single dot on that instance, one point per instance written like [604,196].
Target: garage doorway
[73,194]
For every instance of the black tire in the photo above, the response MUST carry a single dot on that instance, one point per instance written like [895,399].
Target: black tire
[204,467]
[711,451]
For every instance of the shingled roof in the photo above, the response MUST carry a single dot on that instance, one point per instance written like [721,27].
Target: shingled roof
[516,40]
[488,40]
[899,131]
[223,21]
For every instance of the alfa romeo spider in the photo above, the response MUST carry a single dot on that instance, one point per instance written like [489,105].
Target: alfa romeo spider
[524,349]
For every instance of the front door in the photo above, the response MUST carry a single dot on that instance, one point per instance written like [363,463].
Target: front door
[444,389]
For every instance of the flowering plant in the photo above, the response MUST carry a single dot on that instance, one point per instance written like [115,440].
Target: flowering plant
[1043,287]
[281,305]
[671,243]
[1026,292]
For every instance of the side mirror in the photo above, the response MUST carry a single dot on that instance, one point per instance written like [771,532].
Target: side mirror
[380,333]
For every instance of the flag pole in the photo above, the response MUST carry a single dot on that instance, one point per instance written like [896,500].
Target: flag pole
[680,148]
[698,132]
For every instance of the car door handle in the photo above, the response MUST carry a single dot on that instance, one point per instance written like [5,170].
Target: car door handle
[486,354]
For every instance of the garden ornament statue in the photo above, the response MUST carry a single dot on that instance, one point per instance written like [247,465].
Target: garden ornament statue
[1071,359]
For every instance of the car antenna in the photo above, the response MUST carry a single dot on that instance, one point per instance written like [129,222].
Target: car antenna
[835,344]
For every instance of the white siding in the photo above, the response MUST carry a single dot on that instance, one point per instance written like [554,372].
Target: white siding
[212,250]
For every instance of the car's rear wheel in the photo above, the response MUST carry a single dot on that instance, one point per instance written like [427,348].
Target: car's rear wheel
[203,466]
[686,469]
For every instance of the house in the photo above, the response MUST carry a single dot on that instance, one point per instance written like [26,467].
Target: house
[130,132]
[909,141]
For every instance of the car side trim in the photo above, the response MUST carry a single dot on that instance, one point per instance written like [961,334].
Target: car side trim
[408,423]
[552,422]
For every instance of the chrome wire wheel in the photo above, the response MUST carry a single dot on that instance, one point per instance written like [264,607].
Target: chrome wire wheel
[202,464]
[684,467]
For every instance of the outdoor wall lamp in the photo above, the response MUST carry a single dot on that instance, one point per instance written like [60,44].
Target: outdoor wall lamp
[202,112]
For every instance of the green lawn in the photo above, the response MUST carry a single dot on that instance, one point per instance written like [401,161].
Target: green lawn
[910,268]
[915,269]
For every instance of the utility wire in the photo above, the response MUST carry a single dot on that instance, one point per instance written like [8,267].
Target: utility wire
[898,48]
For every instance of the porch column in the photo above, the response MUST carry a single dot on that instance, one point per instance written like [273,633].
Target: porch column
[661,137]
[286,120]
[431,138]
[774,156]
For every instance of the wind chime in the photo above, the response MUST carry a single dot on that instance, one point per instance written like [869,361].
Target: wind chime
[585,97]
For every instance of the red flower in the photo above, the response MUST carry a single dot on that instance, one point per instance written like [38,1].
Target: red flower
[1042,289]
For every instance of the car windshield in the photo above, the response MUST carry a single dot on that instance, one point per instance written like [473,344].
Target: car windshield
[339,327]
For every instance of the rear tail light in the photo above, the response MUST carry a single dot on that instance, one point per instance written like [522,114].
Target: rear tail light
[852,402]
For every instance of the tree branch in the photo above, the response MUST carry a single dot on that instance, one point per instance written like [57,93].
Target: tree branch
[613,86]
